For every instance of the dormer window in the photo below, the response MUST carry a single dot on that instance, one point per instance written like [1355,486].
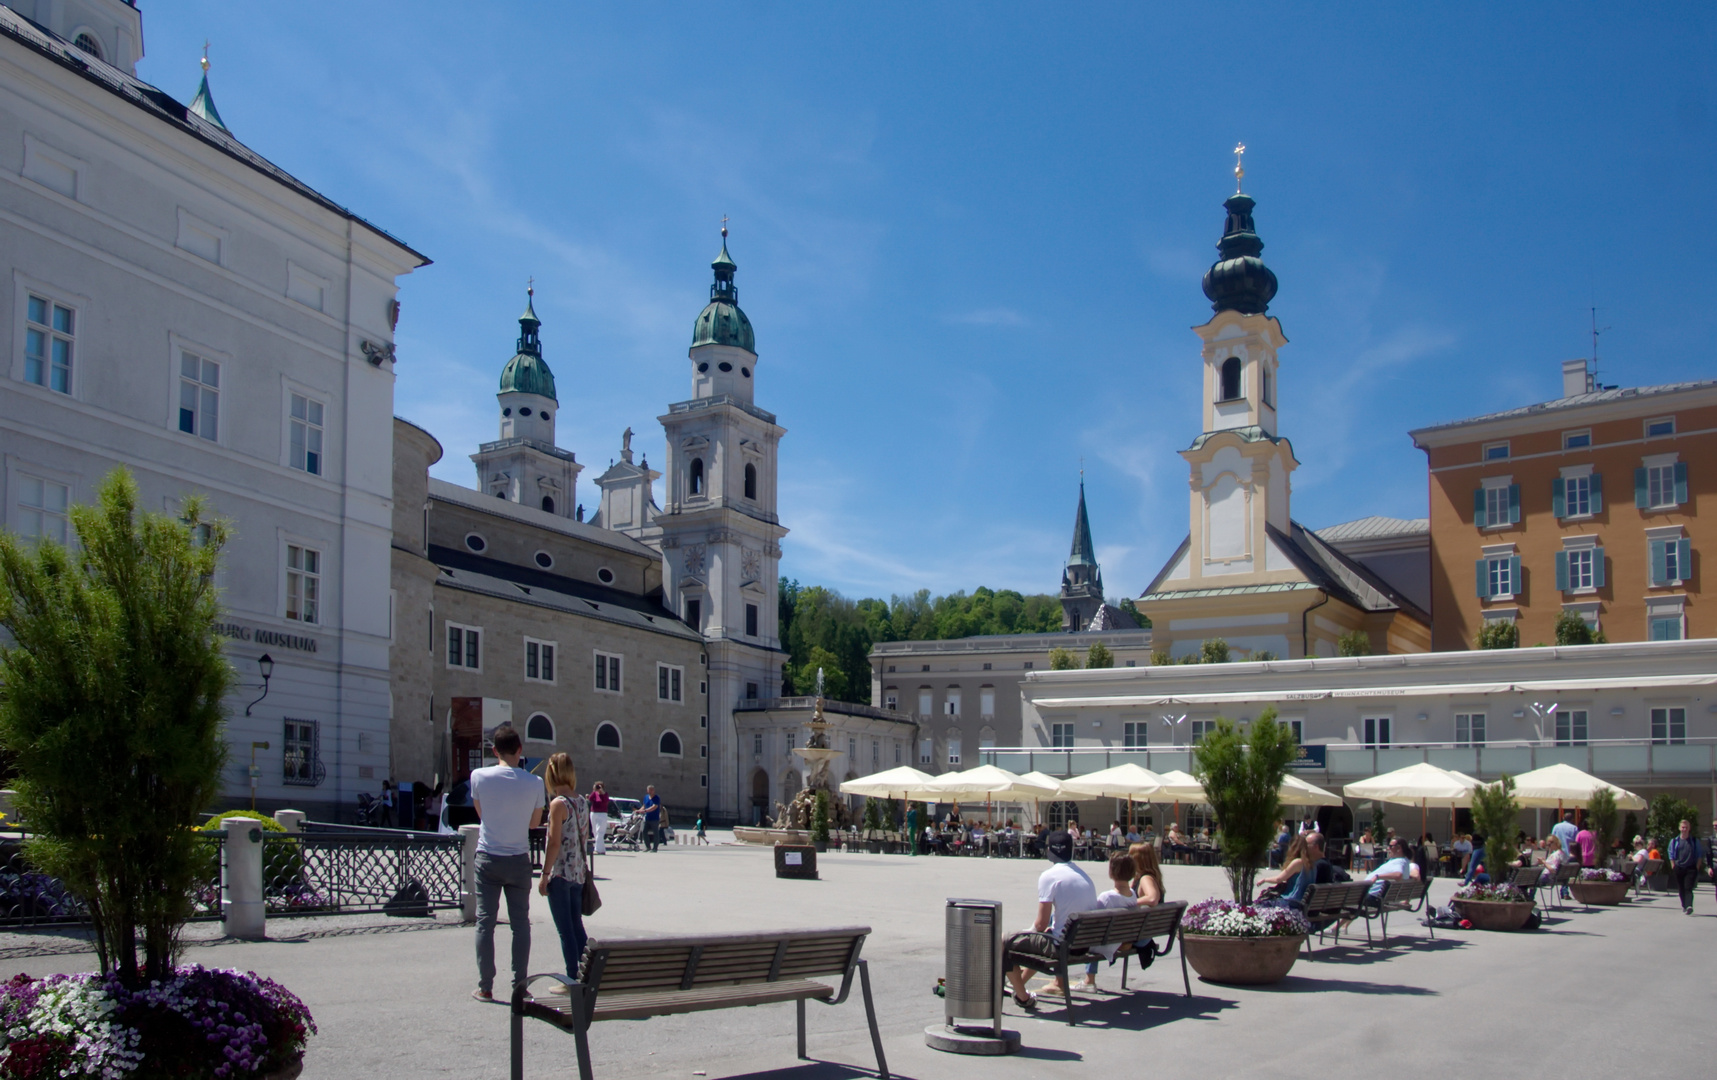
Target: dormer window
[1230,379]
[86,41]
[695,483]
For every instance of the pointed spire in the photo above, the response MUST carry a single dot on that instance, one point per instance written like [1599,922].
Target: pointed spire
[204,103]
[529,324]
[724,266]
[1084,552]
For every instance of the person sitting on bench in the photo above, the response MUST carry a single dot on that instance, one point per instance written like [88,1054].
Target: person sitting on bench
[1305,867]
[1398,868]
[1062,890]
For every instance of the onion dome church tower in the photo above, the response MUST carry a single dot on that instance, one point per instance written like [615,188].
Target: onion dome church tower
[524,465]
[719,533]
[1247,572]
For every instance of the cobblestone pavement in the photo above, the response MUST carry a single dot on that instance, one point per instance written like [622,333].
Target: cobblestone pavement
[1594,993]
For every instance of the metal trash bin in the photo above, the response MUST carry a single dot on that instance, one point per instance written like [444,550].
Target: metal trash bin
[972,982]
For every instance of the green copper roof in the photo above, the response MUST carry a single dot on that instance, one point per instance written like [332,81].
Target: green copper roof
[204,104]
[527,372]
[721,322]
[1084,552]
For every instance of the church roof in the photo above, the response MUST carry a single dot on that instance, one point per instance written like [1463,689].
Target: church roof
[721,322]
[1110,617]
[1084,552]
[1596,397]
[527,372]
[204,103]
[1239,280]
[165,108]
[1375,528]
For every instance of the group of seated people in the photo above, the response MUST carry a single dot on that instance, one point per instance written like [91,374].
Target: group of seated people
[1136,880]
[1305,864]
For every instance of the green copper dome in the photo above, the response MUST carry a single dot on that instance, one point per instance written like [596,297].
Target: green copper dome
[721,322]
[527,372]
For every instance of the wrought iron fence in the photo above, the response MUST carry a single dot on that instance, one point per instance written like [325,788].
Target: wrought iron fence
[29,897]
[335,872]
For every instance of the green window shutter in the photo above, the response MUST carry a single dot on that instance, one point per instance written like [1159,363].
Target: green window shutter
[1680,482]
[1557,503]
[1598,568]
[1659,562]
[1514,504]
[1478,508]
[1561,571]
[1642,498]
[1514,581]
[1484,580]
[1684,559]
[1597,493]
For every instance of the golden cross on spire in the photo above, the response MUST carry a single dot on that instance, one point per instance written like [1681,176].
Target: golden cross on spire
[205,55]
[724,226]
[1239,165]
[530,286]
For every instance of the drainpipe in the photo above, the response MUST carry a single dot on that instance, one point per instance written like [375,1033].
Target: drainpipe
[1305,637]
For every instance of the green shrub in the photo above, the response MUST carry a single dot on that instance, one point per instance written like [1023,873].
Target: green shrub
[1241,769]
[1601,818]
[1664,818]
[1572,630]
[1099,656]
[820,818]
[1353,643]
[1062,660]
[1214,651]
[1496,816]
[1159,657]
[1499,634]
[283,864]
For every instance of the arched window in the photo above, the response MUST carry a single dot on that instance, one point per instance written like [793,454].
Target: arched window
[539,728]
[548,503]
[86,41]
[607,737]
[750,481]
[668,745]
[1230,379]
[697,476]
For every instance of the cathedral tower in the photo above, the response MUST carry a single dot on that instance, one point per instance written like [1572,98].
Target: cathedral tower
[524,465]
[719,531]
[1082,580]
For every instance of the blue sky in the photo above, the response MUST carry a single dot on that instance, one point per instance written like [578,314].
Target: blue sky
[970,236]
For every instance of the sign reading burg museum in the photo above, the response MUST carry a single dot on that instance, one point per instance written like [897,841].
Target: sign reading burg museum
[267,637]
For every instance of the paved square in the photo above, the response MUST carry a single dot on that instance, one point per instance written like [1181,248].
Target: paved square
[1594,993]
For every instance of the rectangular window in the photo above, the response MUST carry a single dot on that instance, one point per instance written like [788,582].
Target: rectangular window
[1663,425]
[668,680]
[199,396]
[608,672]
[539,660]
[926,749]
[875,755]
[1660,486]
[1376,731]
[852,750]
[464,646]
[1497,576]
[954,751]
[1299,729]
[1570,727]
[1201,728]
[751,620]
[1671,560]
[751,691]
[1496,451]
[1668,726]
[694,613]
[299,753]
[1133,734]
[1574,440]
[1577,496]
[1580,568]
[986,702]
[757,744]
[1666,628]
[951,706]
[306,434]
[925,702]
[303,583]
[42,509]
[897,751]
[1496,505]
[1469,729]
[891,701]
[1061,735]
[48,341]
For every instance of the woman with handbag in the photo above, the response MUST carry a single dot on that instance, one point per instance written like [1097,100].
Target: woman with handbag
[566,876]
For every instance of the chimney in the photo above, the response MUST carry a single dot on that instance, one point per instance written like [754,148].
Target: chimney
[1575,379]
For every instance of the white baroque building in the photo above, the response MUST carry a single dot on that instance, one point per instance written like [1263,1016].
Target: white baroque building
[182,307]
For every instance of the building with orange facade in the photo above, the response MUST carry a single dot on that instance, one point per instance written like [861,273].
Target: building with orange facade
[1589,504]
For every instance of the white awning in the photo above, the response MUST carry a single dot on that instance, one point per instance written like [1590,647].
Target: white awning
[1537,686]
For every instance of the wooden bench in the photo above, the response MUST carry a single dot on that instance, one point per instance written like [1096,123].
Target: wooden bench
[1397,896]
[1526,880]
[1568,871]
[636,978]
[1121,927]
[1328,904]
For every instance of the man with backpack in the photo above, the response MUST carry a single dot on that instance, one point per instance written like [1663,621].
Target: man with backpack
[1685,855]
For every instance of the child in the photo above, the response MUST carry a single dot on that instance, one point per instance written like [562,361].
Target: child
[702,837]
[1121,871]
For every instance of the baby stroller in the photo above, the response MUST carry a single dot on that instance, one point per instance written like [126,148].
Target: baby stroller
[628,830]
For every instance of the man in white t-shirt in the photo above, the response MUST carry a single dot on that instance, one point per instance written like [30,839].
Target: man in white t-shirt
[509,804]
[1062,890]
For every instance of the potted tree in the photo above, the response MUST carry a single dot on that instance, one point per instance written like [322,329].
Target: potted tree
[1601,886]
[114,679]
[873,826]
[1242,769]
[820,822]
[1496,906]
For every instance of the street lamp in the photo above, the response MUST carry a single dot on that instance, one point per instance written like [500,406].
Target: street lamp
[265,664]
[254,772]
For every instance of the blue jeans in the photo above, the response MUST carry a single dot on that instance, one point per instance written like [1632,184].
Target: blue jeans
[497,875]
[566,904]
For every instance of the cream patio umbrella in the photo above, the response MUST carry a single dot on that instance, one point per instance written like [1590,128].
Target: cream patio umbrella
[1423,785]
[1178,785]
[901,782]
[1297,792]
[1045,780]
[1564,785]
[988,782]
[1127,781]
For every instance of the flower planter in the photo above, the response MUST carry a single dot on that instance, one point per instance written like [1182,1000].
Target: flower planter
[1599,893]
[874,846]
[1241,961]
[821,845]
[1494,914]
[290,1071]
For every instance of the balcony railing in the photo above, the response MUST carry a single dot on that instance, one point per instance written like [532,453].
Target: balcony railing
[845,708]
[1638,760]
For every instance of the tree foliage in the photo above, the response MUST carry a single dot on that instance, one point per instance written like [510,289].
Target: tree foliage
[813,617]
[820,817]
[1499,634]
[1138,616]
[1099,656]
[1353,643]
[1601,819]
[1241,769]
[1062,660]
[112,708]
[1214,651]
[1665,815]
[1496,816]
[1571,629]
